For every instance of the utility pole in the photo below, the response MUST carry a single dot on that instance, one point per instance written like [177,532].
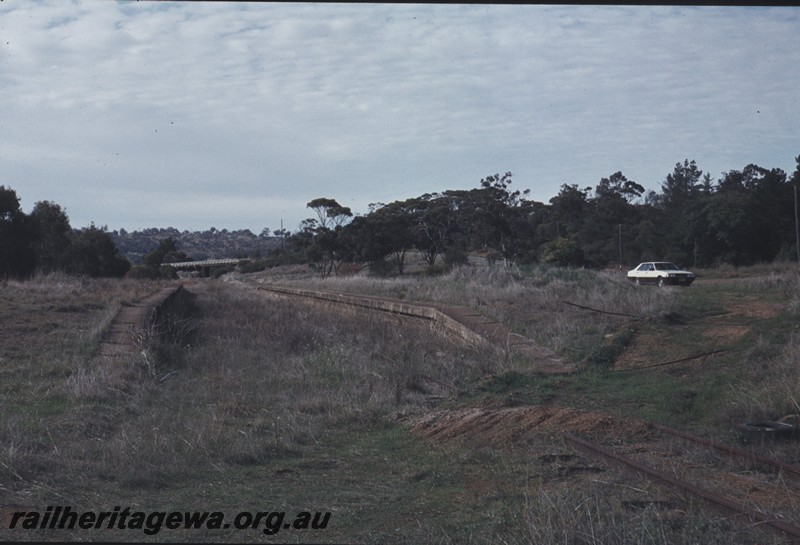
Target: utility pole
[620,246]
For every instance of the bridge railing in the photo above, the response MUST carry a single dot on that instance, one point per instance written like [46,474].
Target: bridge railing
[206,263]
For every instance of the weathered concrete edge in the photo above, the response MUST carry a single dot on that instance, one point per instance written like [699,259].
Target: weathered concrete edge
[174,292]
[151,304]
[156,301]
[395,307]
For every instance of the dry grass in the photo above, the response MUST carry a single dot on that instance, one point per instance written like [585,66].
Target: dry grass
[50,329]
[530,303]
[362,361]
[278,403]
[266,378]
[768,385]
[726,271]
[594,515]
[774,389]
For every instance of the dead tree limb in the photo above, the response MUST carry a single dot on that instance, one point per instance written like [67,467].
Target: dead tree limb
[601,311]
[696,356]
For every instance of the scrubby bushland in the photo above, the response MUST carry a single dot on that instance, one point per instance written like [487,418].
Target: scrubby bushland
[44,241]
[91,253]
[212,243]
[743,218]
[154,261]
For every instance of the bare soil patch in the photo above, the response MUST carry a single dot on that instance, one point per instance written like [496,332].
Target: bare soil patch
[514,426]
[645,349]
[532,431]
[726,333]
[754,308]
[652,347]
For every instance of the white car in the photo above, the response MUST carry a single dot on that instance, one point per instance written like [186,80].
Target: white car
[660,272]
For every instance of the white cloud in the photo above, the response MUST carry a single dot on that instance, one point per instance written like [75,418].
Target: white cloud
[286,102]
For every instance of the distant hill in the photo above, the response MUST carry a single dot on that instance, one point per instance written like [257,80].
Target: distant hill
[211,244]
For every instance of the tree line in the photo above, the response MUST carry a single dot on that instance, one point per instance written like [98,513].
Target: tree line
[209,244]
[43,241]
[745,217]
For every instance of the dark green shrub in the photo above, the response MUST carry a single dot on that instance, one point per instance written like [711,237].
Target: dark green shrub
[563,252]
[248,267]
[382,267]
[454,257]
[140,272]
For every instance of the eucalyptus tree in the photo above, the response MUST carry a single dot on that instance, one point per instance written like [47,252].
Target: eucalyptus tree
[610,215]
[682,197]
[320,237]
[435,223]
[749,217]
[389,231]
[496,217]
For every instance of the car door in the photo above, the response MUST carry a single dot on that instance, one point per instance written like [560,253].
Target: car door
[648,273]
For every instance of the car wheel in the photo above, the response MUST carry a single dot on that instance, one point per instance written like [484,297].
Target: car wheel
[660,282]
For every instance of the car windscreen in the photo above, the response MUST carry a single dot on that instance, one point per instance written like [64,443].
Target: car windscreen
[666,267]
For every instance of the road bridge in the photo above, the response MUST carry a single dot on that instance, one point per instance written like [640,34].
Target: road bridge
[204,267]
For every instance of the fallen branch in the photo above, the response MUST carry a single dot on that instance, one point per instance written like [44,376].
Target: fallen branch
[696,356]
[600,311]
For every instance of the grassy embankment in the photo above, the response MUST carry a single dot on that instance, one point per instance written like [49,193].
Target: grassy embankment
[281,405]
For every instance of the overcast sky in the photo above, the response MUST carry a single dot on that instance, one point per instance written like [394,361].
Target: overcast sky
[235,115]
